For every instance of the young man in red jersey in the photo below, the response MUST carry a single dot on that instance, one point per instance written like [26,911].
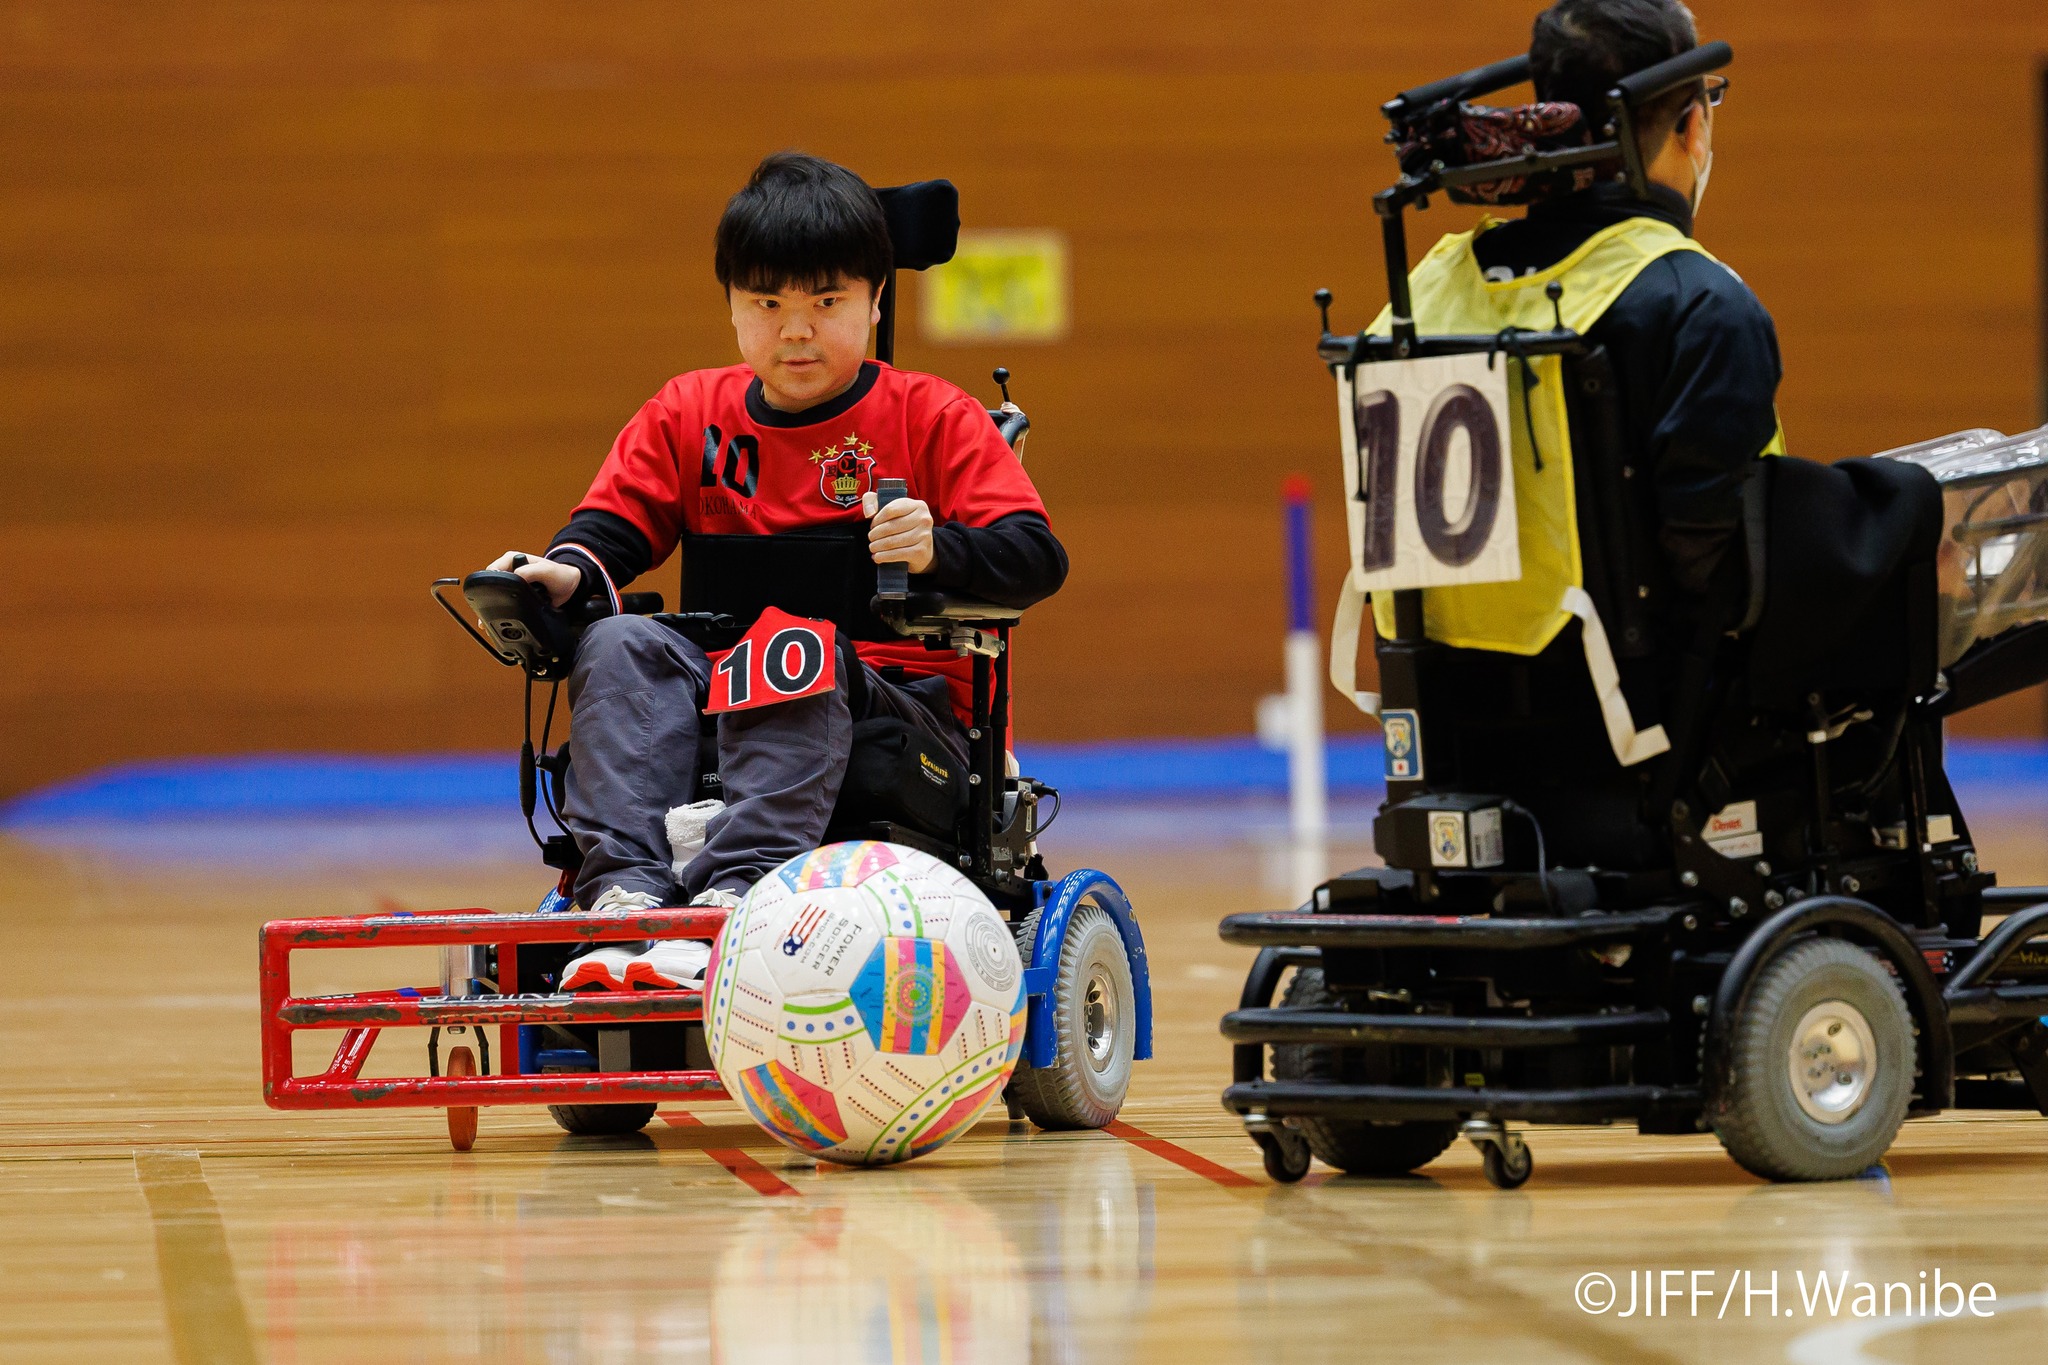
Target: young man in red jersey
[757,472]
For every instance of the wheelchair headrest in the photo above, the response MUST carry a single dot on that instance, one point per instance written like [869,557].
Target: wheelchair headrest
[1452,133]
[924,222]
[1436,128]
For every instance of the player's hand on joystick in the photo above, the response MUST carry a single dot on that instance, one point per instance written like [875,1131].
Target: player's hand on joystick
[900,532]
[560,580]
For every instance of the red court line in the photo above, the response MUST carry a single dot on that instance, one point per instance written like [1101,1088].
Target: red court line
[1180,1156]
[763,1180]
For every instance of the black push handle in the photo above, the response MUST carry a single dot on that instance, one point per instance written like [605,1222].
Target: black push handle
[1653,81]
[892,581]
[1482,80]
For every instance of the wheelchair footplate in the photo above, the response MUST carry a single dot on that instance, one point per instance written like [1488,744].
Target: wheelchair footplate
[481,950]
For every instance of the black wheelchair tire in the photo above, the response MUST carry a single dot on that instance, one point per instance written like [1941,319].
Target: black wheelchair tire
[1354,1146]
[1758,1114]
[1081,1089]
[601,1120]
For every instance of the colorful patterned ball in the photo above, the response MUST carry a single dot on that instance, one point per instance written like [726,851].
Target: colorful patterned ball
[866,1003]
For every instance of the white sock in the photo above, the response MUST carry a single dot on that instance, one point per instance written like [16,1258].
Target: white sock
[686,828]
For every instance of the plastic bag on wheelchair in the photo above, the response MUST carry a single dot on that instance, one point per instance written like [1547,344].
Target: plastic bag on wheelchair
[897,773]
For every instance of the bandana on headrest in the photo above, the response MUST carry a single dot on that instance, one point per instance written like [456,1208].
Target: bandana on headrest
[1458,134]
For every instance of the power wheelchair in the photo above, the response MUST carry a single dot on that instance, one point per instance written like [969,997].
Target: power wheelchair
[601,1061]
[1774,929]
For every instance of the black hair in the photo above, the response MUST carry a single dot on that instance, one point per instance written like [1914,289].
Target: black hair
[1580,48]
[803,221]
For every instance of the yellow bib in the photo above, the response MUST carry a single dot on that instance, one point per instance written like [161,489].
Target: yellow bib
[1452,296]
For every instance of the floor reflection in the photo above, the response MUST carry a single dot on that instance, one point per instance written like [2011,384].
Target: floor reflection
[902,1265]
[626,1249]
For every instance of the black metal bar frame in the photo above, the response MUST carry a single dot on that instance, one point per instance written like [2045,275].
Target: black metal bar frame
[1391,1103]
[1970,1003]
[1295,928]
[1338,1028]
[1248,1060]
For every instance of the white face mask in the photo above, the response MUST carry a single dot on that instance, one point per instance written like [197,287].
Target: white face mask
[1700,176]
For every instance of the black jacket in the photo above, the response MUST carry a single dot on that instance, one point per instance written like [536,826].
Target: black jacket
[1696,357]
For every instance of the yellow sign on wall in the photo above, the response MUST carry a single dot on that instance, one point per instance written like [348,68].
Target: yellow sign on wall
[1001,285]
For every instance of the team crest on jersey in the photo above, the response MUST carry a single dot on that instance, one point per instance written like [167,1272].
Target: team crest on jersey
[845,470]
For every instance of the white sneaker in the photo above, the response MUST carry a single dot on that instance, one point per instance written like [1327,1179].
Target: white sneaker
[669,964]
[617,898]
[604,967]
[723,900]
[687,828]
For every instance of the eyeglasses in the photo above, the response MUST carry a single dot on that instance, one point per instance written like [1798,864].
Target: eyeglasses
[1716,90]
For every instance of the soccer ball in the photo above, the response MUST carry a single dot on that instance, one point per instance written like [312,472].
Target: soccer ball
[865,1002]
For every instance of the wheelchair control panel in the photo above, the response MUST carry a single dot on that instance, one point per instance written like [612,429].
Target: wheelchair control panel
[523,626]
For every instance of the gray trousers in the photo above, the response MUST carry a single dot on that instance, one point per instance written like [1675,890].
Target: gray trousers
[635,704]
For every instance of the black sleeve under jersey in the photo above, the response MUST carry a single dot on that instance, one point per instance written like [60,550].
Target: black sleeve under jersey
[1014,562]
[1712,390]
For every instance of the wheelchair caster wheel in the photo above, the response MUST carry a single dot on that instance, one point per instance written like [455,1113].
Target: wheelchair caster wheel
[461,1117]
[1285,1151]
[1508,1163]
[1286,1156]
[1504,1155]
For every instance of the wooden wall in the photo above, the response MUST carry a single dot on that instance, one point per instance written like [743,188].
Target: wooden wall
[302,305]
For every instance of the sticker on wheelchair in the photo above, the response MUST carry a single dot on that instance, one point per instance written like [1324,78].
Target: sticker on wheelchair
[781,658]
[1402,733]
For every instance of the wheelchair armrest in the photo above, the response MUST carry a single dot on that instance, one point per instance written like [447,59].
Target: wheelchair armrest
[640,603]
[935,617]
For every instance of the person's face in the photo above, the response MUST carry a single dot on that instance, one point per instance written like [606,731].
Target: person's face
[806,347]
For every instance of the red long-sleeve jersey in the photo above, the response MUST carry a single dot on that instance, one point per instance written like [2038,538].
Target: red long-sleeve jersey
[707,456]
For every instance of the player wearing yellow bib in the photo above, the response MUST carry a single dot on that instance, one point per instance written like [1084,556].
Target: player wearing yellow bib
[1559,685]
[1695,354]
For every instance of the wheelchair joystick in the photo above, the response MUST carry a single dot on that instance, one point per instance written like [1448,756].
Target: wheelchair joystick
[892,581]
[1002,378]
[1555,291]
[1324,298]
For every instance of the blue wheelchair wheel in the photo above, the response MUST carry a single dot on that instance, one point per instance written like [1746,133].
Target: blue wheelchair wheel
[1094,1019]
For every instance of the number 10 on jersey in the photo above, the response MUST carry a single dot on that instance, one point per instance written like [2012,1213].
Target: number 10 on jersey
[1429,472]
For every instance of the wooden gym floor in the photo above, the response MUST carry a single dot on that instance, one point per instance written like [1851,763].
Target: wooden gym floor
[151,1209]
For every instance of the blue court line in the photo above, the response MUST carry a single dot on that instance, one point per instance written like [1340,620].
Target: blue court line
[1987,774]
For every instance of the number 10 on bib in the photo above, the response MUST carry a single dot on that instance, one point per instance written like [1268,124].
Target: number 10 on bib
[1429,473]
[781,658]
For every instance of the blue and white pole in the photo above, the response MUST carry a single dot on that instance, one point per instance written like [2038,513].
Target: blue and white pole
[1308,795]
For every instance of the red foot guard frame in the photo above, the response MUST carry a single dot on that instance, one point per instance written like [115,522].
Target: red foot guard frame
[365,1014]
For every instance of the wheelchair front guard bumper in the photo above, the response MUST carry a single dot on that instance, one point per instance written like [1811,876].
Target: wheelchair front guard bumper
[1297,939]
[1947,1015]
[362,1016]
